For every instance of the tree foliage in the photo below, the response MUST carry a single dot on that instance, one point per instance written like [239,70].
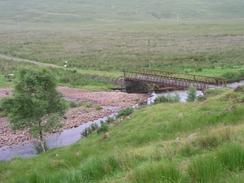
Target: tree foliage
[35,103]
[191,94]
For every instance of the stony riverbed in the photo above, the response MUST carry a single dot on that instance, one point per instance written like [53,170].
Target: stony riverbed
[92,106]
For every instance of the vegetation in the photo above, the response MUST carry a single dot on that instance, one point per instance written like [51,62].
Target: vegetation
[168,98]
[70,77]
[35,103]
[103,129]
[191,94]
[174,142]
[125,112]
[200,37]
[202,54]
[89,43]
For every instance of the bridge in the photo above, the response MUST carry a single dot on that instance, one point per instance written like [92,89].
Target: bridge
[169,80]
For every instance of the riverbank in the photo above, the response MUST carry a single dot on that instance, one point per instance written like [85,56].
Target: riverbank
[169,141]
[89,106]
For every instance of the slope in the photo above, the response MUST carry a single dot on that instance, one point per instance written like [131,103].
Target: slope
[194,142]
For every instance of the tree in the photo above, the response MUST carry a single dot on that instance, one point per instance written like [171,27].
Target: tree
[191,94]
[35,103]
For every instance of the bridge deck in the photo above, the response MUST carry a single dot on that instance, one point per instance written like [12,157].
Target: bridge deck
[182,81]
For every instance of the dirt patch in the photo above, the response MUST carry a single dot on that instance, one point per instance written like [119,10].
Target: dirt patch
[101,104]
[4,92]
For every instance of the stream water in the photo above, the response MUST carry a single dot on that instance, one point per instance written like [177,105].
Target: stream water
[70,136]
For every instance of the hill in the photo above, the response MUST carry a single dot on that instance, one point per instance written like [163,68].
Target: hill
[114,10]
[193,142]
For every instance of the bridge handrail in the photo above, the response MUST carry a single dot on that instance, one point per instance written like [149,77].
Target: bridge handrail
[193,75]
[202,79]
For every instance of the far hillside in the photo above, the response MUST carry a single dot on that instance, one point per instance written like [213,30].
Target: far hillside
[114,10]
[192,36]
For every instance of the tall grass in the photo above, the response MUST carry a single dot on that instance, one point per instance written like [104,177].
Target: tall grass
[168,142]
[232,157]
[160,172]
[205,170]
[212,167]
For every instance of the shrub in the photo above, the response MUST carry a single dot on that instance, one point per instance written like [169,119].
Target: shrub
[214,92]
[201,98]
[239,89]
[168,99]
[103,129]
[94,127]
[74,104]
[191,94]
[110,120]
[98,107]
[125,112]
[86,132]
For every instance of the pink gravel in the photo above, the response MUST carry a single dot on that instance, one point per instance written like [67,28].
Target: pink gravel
[109,101]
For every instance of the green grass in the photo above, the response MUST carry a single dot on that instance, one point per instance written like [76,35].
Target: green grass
[2,80]
[103,38]
[168,142]
[193,142]
[91,80]
[211,168]
[211,49]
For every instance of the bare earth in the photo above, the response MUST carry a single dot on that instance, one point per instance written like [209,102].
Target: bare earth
[96,105]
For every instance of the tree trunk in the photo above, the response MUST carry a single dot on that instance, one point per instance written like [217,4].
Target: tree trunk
[41,137]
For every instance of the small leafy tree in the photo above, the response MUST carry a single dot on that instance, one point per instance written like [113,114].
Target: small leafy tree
[191,94]
[35,103]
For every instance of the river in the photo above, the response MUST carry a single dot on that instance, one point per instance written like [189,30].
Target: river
[70,136]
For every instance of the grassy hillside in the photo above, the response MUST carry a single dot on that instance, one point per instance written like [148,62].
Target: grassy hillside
[194,142]
[86,79]
[114,10]
[210,49]
[194,36]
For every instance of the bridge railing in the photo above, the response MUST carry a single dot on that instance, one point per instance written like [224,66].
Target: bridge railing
[192,77]
[157,75]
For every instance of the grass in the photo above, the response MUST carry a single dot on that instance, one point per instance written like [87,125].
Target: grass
[106,49]
[210,168]
[71,77]
[168,142]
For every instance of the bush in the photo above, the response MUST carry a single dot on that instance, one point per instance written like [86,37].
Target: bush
[94,127]
[214,92]
[110,120]
[103,129]
[201,98]
[98,107]
[86,132]
[191,94]
[125,112]
[168,99]
[74,104]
